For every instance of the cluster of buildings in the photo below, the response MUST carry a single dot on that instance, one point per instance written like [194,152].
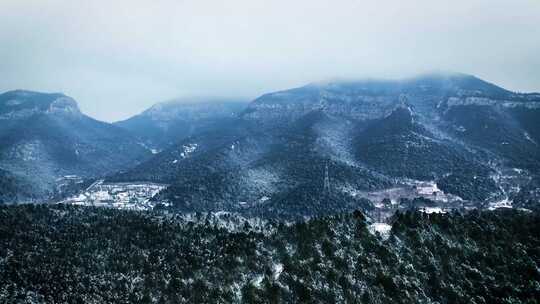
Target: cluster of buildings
[134,196]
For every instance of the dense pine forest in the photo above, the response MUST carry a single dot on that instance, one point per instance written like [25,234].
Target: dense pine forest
[67,254]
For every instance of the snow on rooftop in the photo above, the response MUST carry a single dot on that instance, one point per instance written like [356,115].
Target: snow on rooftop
[428,188]
[430,210]
[118,195]
[504,203]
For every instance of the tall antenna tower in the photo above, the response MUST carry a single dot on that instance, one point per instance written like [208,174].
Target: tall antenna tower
[326,180]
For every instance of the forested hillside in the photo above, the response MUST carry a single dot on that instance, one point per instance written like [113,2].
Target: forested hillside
[45,137]
[167,123]
[65,254]
[12,187]
[476,141]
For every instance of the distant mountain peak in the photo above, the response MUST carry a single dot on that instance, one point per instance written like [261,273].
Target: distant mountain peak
[168,122]
[195,107]
[455,83]
[23,103]
[64,105]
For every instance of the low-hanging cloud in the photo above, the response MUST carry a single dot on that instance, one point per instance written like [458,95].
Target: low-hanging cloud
[119,57]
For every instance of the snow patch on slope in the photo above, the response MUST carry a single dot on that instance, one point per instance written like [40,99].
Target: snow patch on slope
[504,203]
[528,137]
[382,229]
[188,149]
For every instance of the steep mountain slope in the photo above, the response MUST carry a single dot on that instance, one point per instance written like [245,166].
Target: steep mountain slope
[399,146]
[509,132]
[325,147]
[257,171]
[169,122]
[45,136]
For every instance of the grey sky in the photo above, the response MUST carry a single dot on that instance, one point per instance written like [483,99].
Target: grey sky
[119,57]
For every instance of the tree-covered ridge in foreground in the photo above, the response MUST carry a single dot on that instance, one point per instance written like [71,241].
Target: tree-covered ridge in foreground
[64,254]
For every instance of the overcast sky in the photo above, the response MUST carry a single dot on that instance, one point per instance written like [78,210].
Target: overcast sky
[117,58]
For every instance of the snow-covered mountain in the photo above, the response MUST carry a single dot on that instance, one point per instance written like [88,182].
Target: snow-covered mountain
[325,147]
[45,136]
[169,122]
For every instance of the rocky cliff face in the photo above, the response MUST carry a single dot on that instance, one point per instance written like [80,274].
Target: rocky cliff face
[374,99]
[22,104]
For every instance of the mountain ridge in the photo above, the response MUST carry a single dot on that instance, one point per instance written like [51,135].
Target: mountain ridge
[166,123]
[282,142]
[44,136]
[466,136]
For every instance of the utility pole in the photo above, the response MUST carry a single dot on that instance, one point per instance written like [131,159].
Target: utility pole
[326,180]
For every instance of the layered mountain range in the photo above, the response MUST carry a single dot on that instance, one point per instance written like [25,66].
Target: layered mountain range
[325,147]
[328,146]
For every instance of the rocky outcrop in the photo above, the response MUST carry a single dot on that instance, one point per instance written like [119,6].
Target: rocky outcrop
[21,104]
[483,101]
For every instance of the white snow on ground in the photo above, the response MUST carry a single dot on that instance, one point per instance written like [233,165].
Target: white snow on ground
[257,280]
[32,150]
[351,191]
[428,188]
[430,210]
[382,228]
[517,170]
[237,291]
[101,195]
[232,222]
[277,270]
[333,140]
[153,151]
[134,196]
[13,102]
[188,149]
[378,205]
[461,129]
[261,180]
[504,203]
[408,189]
[528,137]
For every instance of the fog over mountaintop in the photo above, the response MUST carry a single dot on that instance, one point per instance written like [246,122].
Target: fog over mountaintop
[339,145]
[118,58]
[457,132]
[270,151]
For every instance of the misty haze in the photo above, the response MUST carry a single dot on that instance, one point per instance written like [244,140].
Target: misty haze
[342,151]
